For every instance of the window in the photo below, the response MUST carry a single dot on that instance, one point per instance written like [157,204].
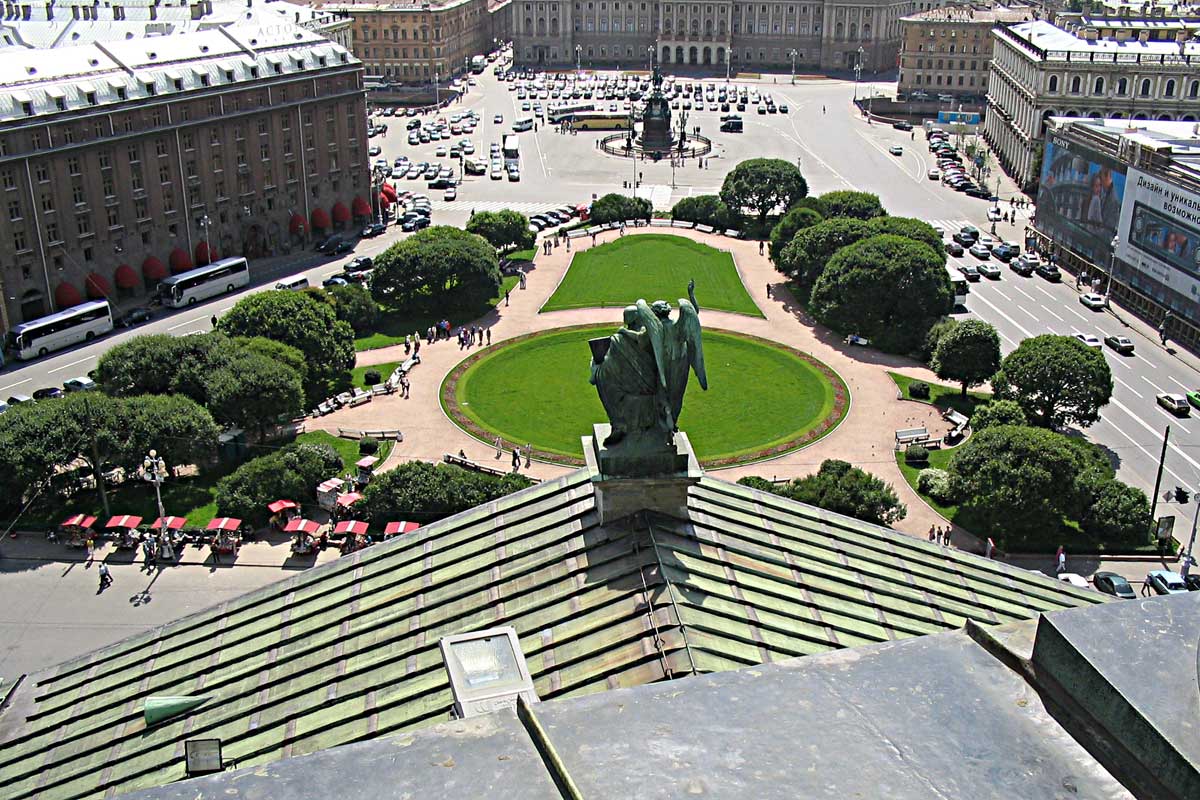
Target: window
[1122,86]
[141,208]
[73,166]
[83,224]
[110,188]
[1098,87]
[1052,86]
[1194,89]
[164,174]
[14,210]
[52,233]
[9,179]
[160,147]
[78,197]
[1169,91]
[1075,81]
[1145,90]
[19,241]
[114,216]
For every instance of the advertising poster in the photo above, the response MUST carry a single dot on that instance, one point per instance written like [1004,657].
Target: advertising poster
[1160,240]
[1079,200]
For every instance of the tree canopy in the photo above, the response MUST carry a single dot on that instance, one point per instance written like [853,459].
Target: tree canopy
[705,209]
[293,473]
[1119,514]
[252,391]
[805,256]
[913,229]
[788,226]
[614,207]
[849,203]
[1057,381]
[837,486]
[888,288]
[502,229]
[763,185]
[354,305]
[997,412]
[968,354]
[441,264]
[295,319]
[428,492]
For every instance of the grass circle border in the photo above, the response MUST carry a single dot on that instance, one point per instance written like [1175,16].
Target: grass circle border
[448,398]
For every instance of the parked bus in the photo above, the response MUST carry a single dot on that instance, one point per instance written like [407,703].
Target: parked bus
[478,63]
[600,121]
[960,286]
[374,83]
[512,153]
[560,113]
[188,288]
[80,323]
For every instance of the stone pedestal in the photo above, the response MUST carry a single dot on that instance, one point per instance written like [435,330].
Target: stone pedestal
[640,475]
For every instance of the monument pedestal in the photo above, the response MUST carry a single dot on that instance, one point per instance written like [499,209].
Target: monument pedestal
[640,474]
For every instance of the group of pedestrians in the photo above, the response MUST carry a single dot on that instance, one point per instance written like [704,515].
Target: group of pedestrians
[469,336]
[940,536]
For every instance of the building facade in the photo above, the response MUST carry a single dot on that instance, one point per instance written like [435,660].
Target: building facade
[123,161]
[735,34]
[1040,71]
[948,51]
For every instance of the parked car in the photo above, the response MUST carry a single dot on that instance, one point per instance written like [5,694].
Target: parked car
[988,269]
[935,175]
[1114,584]
[374,229]
[1089,339]
[980,251]
[451,194]
[416,223]
[969,271]
[1094,301]
[329,244]
[1022,265]
[1193,397]
[1074,579]
[1176,403]
[1048,271]
[80,384]
[1163,581]
[1004,251]
[342,247]
[954,248]
[135,317]
[896,150]
[360,264]
[1122,344]
[47,393]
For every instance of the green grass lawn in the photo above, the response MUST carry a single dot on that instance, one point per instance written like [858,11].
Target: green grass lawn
[357,374]
[346,448]
[943,396]
[395,324]
[537,391]
[652,267]
[938,459]
[527,254]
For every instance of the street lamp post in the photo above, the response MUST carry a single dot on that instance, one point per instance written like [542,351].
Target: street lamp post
[793,54]
[1186,561]
[154,471]
[206,223]
[437,101]
[578,58]
[650,53]
[1112,265]
[858,65]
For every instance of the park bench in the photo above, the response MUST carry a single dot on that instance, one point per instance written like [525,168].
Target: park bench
[466,463]
[907,436]
[680,223]
[957,419]
[578,233]
[733,233]
[360,397]
[705,228]
[660,223]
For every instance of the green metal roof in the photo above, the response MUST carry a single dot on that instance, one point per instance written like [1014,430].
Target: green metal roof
[348,651]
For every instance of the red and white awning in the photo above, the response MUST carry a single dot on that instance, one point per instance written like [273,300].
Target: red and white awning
[170,523]
[80,520]
[281,505]
[396,528]
[352,526]
[224,524]
[303,525]
[124,521]
[349,498]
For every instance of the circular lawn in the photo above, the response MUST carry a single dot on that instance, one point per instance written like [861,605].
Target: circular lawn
[763,399]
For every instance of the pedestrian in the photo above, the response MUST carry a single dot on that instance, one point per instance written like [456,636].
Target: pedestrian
[528,454]
[932,528]
[214,320]
[416,347]
[516,459]
[506,297]
[593,238]
[407,344]
[568,244]
[768,289]
[760,249]
[938,535]
[91,548]
[822,109]
[989,548]
[1062,560]
[489,335]
[497,448]
[406,386]
[106,579]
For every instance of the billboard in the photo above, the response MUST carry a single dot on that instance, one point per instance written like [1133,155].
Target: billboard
[1160,241]
[1080,196]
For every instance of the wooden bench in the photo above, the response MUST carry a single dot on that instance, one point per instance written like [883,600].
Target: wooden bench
[907,436]
[705,228]
[955,418]
[660,223]
[733,233]
[475,466]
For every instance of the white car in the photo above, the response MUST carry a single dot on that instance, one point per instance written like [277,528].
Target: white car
[1094,301]
[993,215]
[80,384]
[935,175]
[1074,579]
[896,150]
[497,174]
[1090,340]
[451,194]
[441,151]
[498,119]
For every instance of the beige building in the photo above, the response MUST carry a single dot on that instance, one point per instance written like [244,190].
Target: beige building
[125,159]
[948,51]
[736,34]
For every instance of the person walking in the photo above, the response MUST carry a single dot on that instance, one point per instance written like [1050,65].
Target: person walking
[405,386]
[932,528]
[1061,557]
[938,535]
[91,547]
[516,459]
[506,297]
[106,579]
[761,245]
[489,335]
[416,347]
[214,320]
[498,448]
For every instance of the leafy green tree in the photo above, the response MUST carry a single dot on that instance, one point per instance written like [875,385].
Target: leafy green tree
[936,332]
[1057,381]
[1018,482]
[293,473]
[276,351]
[839,487]
[142,365]
[968,355]
[198,356]
[180,430]
[998,412]
[502,229]
[888,288]
[441,264]
[1119,514]
[355,306]
[912,228]
[253,391]
[615,207]
[299,321]
[705,209]
[762,185]
[786,229]
[37,438]
[428,492]
[804,258]
[849,203]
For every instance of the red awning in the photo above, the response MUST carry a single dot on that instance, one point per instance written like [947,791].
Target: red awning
[348,499]
[125,277]
[124,521]
[360,207]
[170,523]
[352,526]
[388,190]
[340,212]
[320,219]
[153,269]
[180,261]
[394,528]
[203,256]
[306,525]
[384,200]
[66,295]
[366,462]
[224,524]
[97,286]
[297,224]
[80,520]
[280,505]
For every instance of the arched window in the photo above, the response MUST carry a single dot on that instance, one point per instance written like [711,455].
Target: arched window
[554,26]
[1194,89]
[1075,81]
[1098,87]
[1145,91]
[541,26]
[839,31]
[866,30]
[1169,91]
[853,31]
[529,24]
[1122,86]
[1053,85]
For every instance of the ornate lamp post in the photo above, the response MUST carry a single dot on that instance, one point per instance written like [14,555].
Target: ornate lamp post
[206,223]
[793,54]
[155,471]
[578,57]
[858,65]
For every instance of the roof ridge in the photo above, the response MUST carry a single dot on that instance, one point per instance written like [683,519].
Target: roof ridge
[662,574]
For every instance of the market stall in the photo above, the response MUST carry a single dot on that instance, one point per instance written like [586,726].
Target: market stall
[366,470]
[282,512]
[307,536]
[328,492]
[226,538]
[398,529]
[76,530]
[124,528]
[354,533]
[170,539]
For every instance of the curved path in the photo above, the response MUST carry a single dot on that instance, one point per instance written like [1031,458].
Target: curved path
[865,437]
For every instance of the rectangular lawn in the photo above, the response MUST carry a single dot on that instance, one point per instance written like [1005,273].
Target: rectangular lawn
[652,267]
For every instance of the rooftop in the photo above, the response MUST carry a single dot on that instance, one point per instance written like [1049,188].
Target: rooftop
[974,15]
[1183,138]
[1057,42]
[348,651]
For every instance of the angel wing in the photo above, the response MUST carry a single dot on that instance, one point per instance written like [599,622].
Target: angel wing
[689,329]
[654,328]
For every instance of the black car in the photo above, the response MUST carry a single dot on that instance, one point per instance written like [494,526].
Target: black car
[335,280]
[360,264]
[415,222]
[47,393]
[374,229]
[1114,584]
[975,191]
[902,126]
[137,316]
[413,123]
[1003,252]
[1048,271]
[329,244]
[954,248]
[342,246]
[965,239]
[1192,582]
[441,183]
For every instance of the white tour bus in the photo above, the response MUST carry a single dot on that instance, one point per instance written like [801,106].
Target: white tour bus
[188,288]
[80,323]
[960,286]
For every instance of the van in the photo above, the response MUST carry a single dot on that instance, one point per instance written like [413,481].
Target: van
[294,283]
[523,124]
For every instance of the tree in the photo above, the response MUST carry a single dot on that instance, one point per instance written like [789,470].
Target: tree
[355,306]
[142,365]
[1118,514]
[912,228]
[276,351]
[292,473]
[198,356]
[786,229]
[254,391]
[762,185]
[849,203]
[887,288]
[179,429]
[614,207]
[1019,482]
[502,229]
[295,319]
[998,412]
[936,332]
[428,492]
[439,264]
[969,354]
[1057,381]
[804,258]
[837,486]
[705,209]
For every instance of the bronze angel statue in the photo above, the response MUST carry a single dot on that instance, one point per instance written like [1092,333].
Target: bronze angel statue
[641,371]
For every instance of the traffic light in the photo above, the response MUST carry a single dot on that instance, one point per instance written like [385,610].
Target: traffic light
[1181,494]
